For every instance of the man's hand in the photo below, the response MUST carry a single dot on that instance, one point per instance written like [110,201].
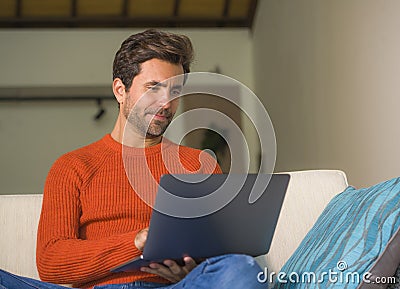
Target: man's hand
[170,270]
[141,238]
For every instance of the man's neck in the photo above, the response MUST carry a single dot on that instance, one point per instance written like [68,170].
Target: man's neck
[133,139]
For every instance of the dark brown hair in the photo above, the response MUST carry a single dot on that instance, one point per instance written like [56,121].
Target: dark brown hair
[152,43]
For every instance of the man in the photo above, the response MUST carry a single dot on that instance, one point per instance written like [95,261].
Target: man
[93,218]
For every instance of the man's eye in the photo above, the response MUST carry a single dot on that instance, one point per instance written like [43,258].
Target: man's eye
[155,88]
[176,92]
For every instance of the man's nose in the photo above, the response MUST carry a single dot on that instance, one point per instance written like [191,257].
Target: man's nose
[164,99]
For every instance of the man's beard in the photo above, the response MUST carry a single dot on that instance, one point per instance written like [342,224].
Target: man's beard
[153,129]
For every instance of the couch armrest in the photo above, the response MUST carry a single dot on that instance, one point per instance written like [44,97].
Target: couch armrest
[19,217]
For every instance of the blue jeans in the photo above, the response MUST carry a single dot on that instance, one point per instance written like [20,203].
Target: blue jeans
[222,272]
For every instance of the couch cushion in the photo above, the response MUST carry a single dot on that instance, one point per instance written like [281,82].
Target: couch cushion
[357,236]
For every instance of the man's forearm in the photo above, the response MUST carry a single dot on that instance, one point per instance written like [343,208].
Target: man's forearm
[71,261]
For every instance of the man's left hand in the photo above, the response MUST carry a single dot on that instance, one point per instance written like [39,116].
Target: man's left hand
[170,270]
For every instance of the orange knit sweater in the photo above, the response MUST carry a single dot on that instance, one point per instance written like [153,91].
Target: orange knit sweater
[91,214]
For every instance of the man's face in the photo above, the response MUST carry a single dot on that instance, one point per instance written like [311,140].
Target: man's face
[151,102]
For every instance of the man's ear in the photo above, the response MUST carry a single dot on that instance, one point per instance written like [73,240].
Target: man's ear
[118,90]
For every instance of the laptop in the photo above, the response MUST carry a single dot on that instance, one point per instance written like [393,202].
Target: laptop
[203,216]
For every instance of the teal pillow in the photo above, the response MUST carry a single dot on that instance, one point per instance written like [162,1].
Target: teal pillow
[355,243]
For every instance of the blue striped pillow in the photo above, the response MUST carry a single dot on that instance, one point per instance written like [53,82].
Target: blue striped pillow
[355,240]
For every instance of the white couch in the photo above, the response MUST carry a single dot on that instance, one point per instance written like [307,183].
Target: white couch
[307,195]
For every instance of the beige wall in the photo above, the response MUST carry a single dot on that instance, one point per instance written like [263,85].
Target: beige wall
[33,135]
[84,56]
[328,73]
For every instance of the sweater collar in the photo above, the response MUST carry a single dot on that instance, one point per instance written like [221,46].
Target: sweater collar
[118,147]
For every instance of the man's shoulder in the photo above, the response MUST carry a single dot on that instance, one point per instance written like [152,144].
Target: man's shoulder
[197,154]
[84,151]
[86,154]
[189,150]
[81,164]
[194,151]
[202,161]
